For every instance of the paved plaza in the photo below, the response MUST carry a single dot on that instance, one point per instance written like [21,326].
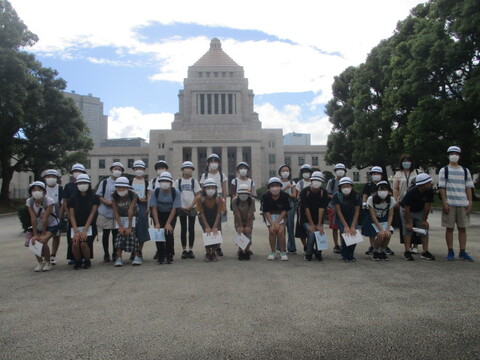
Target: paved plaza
[241,310]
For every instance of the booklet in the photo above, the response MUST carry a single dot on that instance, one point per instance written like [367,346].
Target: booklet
[350,240]
[80,229]
[212,239]
[322,243]
[274,218]
[241,240]
[124,220]
[384,227]
[157,235]
[420,231]
[37,248]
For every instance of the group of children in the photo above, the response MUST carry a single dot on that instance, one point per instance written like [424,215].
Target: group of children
[122,207]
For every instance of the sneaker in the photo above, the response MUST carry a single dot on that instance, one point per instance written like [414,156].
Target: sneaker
[160,260]
[137,260]
[241,255]
[376,256]
[70,262]
[344,259]
[47,266]
[184,254]
[308,257]
[283,256]
[53,260]
[219,252]
[465,256]
[450,256]
[246,255]
[384,257]
[337,250]
[408,256]
[132,256]
[190,254]
[39,266]
[352,259]
[106,258]
[170,260]
[369,251]
[414,250]
[294,252]
[318,255]
[208,258]
[271,256]
[118,262]
[87,264]
[214,257]
[389,251]
[427,256]
[77,265]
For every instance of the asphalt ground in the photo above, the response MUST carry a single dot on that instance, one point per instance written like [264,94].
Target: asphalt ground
[232,309]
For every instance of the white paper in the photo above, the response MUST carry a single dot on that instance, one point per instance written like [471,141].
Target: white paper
[350,240]
[124,220]
[420,231]
[80,229]
[241,240]
[37,248]
[274,218]
[212,239]
[384,226]
[157,235]
[322,243]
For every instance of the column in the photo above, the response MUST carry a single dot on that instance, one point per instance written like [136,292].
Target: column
[225,160]
[256,165]
[177,159]
[195,157]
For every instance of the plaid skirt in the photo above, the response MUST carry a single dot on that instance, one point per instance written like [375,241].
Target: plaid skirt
[127,243]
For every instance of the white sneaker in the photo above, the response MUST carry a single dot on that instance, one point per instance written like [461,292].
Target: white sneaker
[414,250]
[53,260]
[47,266]
[137,261]
[284,256]
[118,262]
[271,256]
[39,266]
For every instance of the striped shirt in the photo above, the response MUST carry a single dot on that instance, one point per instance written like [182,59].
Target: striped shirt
[455,185]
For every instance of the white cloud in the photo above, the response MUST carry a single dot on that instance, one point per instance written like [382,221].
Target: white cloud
[130,122]
[290,119]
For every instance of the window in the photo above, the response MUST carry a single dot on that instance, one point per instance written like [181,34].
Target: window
[271,144]
[314,160]
[160,157]
[271,158]
[288,160]
[116,160]
[130,163]
[301,160]
[146,163]
[88,164]
[272,173]
[101,163]
[161,145]
[356,176]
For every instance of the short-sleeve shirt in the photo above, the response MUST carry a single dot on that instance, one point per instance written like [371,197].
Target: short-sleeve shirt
[123,202]
[243,207]
[302,184]
[186,190]
[249,182]
[313,201]
[103,209]
[416,200]
[455,185]
[153,184]
[83,206]
[347,206]
[404,181]
[381,209]
[69,190]
[332,188]
[210,206]
[217,177]
[165,202]
[285,183]
[40,210]
[275,206]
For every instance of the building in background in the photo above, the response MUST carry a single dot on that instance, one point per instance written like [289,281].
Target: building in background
[295,139]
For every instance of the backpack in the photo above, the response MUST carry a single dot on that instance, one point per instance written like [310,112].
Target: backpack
[172,190]
[180,185]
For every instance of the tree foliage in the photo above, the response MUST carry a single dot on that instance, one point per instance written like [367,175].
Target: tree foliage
[418,92]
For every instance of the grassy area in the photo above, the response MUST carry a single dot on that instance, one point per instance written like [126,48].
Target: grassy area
[11,206]
[476,203]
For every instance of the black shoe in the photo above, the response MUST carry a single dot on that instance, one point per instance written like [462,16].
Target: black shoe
[376,256]
[160,260]
[318,255]
[184,254]
[246,255]
[87,264]
[77,265]
[427,256]
[389,251]
[219,251]
[106,258]
[132,256]
[369,251]
[408,256]
[308,257]
[384,257]
[337,250]
[241,255]
[190,254]
[170,260]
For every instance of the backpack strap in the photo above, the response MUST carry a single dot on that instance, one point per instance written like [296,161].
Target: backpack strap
[104,187]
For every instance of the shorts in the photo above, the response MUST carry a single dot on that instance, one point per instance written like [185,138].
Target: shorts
[456,215]
[106,223]
[416,218]
[331,219]
[53,229]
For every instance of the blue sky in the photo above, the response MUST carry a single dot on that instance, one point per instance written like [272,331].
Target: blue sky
[134,58]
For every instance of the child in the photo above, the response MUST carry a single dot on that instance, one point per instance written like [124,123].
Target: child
[415,208]
[314,202]
[243,206]
[305,173]
[456,187]
[242,178]
[275,205]
[289,186]
[210,207]
[380,207]
[332,188]
[164,202]
[214,171]
[106,219]
[140,185]
[124,205]
[83,213]
[55,191]
[189,188]
[43,220]
[347,205]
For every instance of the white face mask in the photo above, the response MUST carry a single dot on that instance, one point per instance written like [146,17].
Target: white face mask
[37,194]
[75,174]
[82,187]
[243,197]
[376,178]
[382,194]
[243,172]
[165,185]
[213,166]
[406,165]
[51,181]
[210,192]
[122,193]
[285,174]
[340,173]
[316,184]
[160,171]
[116,173]
[346,190]
[306,175]
[187,172]
[454,158]
[275,190]
[139,172]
